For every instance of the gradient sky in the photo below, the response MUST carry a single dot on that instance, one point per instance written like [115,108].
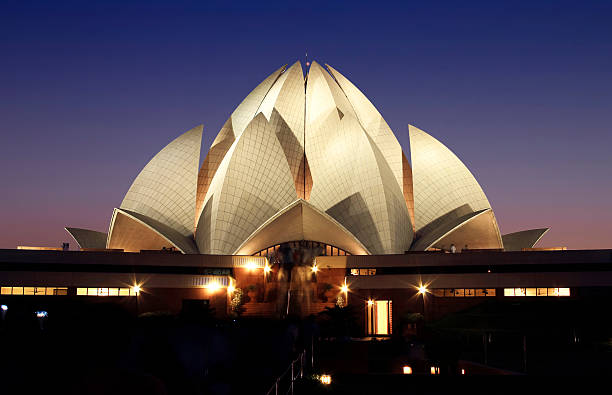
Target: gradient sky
[520,91]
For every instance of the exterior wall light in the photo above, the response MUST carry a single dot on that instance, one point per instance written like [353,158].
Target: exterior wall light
[325,379]
[423,289]
[344,288]
[4,307]
[370,302]
[136,289]
[267,269]
[315,269]
[407,370]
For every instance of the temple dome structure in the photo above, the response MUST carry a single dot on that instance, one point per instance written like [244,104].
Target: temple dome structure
[304,158]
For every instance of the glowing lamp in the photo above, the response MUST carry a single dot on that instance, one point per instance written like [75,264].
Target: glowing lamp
[422,290]
[344,288]
[230,289]
[41,314]
[462,371]
[4,307]
[407,370]
[326,379]
[136,289]
[267,269]
[371,303]
[315,269]
[251,265]
[214,286]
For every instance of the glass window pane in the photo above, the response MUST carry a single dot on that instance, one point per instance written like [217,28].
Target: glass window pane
[113,292]
[469,292]
[81,291]
[519,291]
[553,291]
[531,292]
[508,291]
[61,291]
[355,272]
[328,251]
[6,291]
[459,292]
[564,292]
[490,291]
[124,292]
[480,292]
[541,292]
[39,290]
[50,291]
[17,290]
[28,290]
[437,292]
[102,291]
[449,292]
[92,291]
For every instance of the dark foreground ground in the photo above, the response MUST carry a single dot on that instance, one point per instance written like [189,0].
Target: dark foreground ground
[104,349]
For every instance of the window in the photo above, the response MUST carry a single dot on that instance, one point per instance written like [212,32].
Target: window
[363,272]
[536,292]
[40,291]
[459,292]
[105,292]
[379,317]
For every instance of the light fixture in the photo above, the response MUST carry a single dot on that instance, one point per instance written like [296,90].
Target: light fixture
[344,288]
[423,289]
[213,286]
[370,302]
[325,379]
[434,370]
[462,371]
[136,289]
[407,370]
[315,269]
[4,307]
[267,269]
[42,314]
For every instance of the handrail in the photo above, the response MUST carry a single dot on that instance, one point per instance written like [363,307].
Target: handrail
[291,367]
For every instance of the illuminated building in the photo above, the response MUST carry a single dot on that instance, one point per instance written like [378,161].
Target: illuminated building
[305,188]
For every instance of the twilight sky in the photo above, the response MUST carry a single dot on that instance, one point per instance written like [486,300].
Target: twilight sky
[520,91]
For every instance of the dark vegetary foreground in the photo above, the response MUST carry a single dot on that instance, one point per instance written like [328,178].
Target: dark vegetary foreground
[102,349]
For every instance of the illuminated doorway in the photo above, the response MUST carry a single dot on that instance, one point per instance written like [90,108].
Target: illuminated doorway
[379,317]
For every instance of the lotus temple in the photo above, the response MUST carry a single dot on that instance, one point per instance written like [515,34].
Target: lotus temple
[304,200]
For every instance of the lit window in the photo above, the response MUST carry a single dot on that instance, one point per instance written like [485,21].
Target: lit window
[449,292]
[102,291]
[459,292]
[541,292]
[437,292]
[92,291]
[124,292]
[6,291]
[28,290]
[17,290]
[81,291]
[553,291]
[469,293]
[371,272]
[564,292]
[519,291]
[531,292]
[113,291]
[508,291]
[490,291]
[379,317]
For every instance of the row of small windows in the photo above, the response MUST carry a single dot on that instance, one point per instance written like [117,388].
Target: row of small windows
[107,292]
[320,249]
[363,272]
[463,292]
[47,291]
[536,292]
[63,291]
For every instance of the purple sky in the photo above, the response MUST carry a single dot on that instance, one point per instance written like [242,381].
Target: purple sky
[522,93]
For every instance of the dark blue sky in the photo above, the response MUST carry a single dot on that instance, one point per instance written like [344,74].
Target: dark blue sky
[520,91]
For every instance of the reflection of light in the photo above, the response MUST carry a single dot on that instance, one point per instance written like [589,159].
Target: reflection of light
[315,268]
[251,265]
[136,289]
[267,269]
[370,302]
[41,314]
[213,286]
[230,289]
[407,370]
[325,379]
[4,307]
[423,290]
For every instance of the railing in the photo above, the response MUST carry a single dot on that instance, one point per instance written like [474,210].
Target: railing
[292,370]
